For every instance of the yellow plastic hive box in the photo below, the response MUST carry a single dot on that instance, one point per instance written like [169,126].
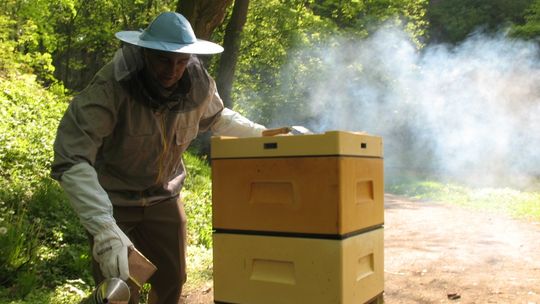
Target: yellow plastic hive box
[330,184]
[258,269]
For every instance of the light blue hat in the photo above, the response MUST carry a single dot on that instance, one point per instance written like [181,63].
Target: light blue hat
[170,32]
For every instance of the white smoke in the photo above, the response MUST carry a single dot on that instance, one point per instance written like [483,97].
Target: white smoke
[470,111]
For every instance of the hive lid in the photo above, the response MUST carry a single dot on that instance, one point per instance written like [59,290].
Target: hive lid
[330,143]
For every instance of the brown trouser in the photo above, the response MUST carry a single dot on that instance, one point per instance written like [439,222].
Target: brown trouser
[159,233]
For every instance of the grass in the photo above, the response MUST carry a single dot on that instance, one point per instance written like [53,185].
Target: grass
[199,260]
[519,204]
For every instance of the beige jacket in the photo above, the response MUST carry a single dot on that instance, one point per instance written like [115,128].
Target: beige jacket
[137,150]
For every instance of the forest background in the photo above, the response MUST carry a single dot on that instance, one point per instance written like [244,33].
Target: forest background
[324,64]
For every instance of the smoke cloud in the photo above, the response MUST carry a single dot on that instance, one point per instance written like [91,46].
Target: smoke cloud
[470,112]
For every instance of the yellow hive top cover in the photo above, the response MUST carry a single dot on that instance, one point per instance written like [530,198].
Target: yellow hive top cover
[330,143]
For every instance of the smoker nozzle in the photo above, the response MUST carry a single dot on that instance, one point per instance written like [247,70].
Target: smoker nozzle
[299,130]
[112,291]
[292,130]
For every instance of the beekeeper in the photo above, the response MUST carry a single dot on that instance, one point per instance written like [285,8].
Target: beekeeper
[118,150]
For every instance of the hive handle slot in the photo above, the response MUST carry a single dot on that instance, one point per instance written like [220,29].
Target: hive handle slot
[270,145]
[365,267]
[272,193]
[365,191]
[274,271]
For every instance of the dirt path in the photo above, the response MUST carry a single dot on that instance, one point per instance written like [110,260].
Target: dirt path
[434,250]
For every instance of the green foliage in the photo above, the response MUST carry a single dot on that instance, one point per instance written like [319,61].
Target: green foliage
[18,250]
[64,253]
[273,29]
[77,35]
[9,58]
[197,197]
[364,16]
[85,33]
[21,49]
[29,110]
[26,108]
[41,245]
[453,20]
[531,28]
[72,291]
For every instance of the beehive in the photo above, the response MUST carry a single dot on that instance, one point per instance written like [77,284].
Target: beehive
[259,269]
[322,184]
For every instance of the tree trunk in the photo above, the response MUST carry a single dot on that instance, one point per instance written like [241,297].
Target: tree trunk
[231,43]
[204,15]
[68,51]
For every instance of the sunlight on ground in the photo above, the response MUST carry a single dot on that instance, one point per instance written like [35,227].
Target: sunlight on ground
[199,261]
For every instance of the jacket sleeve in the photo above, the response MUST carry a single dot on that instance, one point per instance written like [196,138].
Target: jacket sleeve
[88,120]
[90,117]
[87,197]
[231,123]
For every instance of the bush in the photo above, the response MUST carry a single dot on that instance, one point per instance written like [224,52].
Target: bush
[197,196]
[29,203]
[18,250]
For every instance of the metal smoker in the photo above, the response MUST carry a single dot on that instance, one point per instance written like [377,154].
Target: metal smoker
[110,291]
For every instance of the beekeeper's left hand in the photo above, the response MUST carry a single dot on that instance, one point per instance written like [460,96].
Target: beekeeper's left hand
[111,252]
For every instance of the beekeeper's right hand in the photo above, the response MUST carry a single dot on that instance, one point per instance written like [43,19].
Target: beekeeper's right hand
[92,205]
[231,123]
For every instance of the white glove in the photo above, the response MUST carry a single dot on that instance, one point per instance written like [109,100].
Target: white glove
[111,252]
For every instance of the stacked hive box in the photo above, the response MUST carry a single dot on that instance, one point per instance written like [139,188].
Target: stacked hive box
[298,219]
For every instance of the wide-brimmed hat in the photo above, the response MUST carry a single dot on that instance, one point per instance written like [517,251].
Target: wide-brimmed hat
[170,32]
